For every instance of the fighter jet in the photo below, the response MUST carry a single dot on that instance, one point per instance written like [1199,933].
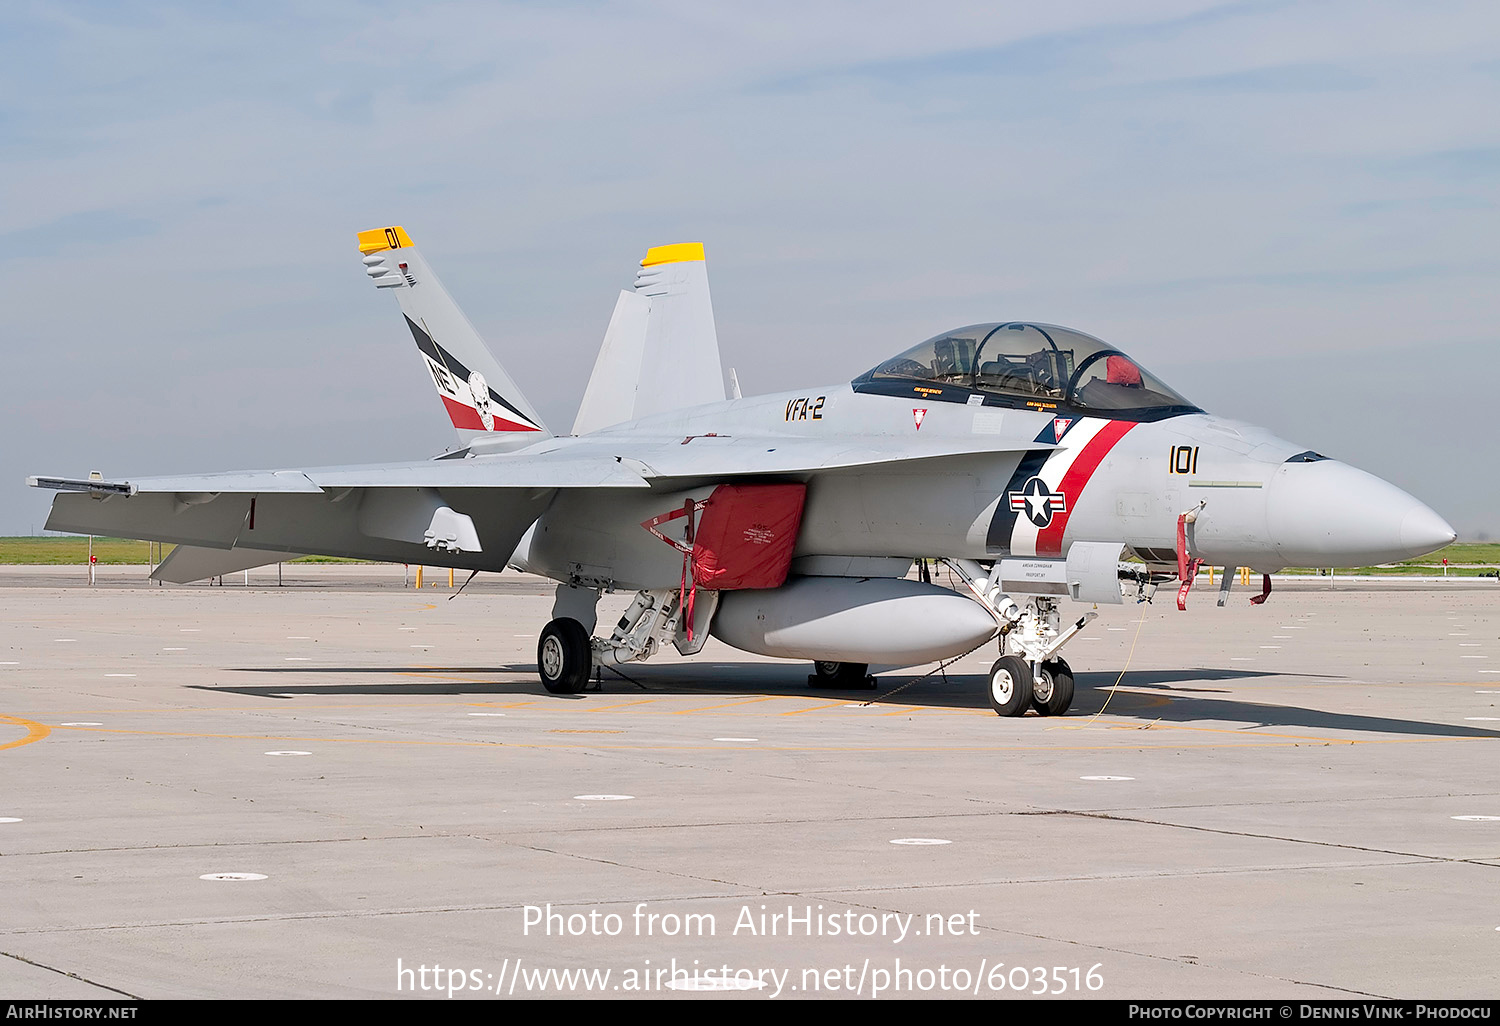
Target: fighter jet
[1039,464]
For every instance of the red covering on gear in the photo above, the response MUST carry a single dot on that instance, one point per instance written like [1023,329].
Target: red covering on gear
[745,536]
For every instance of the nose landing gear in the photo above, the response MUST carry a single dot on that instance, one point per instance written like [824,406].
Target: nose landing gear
[1029,675]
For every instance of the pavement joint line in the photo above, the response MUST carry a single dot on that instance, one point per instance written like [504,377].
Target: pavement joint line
[749,894]
[621,705]
[1115,817]
[809,894]
[1403,860]
[75,976]
[763,822]
[618,865]
[1301,801]
[1176,959]
[1185,874]
[732,704]
[814,708]
[645,746]
[186,846]
[255,709]
[750,891]
[983,800]
[1211,730]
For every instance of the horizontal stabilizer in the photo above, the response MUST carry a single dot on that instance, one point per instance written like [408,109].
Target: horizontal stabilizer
[188,563]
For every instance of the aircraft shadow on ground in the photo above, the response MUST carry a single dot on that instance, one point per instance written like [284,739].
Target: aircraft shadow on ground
[1167,696]
[1184,706]
[430,685]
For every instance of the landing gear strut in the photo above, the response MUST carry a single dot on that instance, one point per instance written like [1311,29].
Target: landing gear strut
[566,655]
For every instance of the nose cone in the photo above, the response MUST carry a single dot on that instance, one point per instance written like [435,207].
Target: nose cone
[1422,531]
[1330,514]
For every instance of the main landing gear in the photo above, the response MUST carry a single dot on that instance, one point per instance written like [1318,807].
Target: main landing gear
[563,657]
[842,676]
[567,656]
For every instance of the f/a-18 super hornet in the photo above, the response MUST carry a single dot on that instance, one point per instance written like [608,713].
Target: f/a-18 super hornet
[1040,464]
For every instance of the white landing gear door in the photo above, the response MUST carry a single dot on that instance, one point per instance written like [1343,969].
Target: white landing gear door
[704,607]
[1093,572]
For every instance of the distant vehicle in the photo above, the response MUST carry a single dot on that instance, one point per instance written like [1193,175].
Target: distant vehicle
[1029,458]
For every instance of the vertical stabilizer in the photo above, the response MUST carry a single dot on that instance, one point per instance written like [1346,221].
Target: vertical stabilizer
[483,402]
[661,351]
[610,395]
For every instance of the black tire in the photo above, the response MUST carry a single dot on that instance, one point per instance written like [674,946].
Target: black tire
[1052,694]
[564,659]
[842,676]
[1010,686]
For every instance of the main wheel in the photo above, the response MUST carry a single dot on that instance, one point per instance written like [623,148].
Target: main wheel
[1010,686]
[1052,691]
[841,676]
[563,657]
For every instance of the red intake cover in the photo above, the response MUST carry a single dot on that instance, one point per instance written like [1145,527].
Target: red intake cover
[746,535]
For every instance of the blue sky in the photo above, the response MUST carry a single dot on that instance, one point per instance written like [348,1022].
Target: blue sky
[1287,210]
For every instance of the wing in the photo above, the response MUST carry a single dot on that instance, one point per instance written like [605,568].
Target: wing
[671,462]
[466,513]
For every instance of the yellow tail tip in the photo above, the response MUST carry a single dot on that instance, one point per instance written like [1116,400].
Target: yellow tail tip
[376,239]
[675,253]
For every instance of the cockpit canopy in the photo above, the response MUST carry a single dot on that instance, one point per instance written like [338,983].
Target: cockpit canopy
[1033,364]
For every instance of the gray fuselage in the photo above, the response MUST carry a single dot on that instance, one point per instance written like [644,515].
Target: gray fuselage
[1268,503]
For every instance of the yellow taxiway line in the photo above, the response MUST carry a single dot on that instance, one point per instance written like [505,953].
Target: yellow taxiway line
[34,731]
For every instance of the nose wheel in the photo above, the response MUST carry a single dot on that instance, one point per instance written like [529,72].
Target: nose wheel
[1052,688]
[1010,686]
